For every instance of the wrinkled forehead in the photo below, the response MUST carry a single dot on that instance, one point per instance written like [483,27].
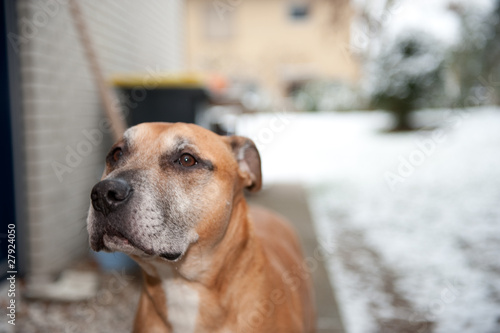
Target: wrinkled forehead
[156,138]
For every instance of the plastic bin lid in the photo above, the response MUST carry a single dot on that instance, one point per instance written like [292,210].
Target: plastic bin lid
[158,80]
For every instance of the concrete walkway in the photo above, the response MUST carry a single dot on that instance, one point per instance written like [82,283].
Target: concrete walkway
[291,202]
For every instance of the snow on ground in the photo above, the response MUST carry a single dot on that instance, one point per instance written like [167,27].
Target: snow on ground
[412,219]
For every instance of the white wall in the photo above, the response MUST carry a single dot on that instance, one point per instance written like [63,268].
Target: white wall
[60,102]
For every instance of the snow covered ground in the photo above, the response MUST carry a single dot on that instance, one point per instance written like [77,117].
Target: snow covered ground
[412,220]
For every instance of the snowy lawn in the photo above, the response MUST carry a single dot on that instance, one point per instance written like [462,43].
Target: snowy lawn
[412,220]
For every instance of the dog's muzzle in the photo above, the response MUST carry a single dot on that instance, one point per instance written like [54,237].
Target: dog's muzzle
[109,194]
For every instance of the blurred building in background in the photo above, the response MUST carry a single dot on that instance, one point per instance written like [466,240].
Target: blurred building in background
[273,44]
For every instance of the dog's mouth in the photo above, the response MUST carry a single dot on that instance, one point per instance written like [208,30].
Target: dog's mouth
[171,256]
[113,240]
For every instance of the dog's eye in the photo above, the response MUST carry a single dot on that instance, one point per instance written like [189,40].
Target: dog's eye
[117,154]
[187,160]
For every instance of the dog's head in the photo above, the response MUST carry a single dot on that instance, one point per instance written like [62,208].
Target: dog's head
[167,186]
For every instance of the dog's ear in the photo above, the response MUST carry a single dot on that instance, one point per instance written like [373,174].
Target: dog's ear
[248,158]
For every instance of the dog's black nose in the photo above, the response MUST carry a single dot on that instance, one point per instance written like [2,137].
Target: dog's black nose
[108,194]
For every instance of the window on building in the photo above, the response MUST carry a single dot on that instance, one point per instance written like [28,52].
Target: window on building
[299,10]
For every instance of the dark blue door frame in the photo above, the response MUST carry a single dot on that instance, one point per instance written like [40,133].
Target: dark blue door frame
[12,194]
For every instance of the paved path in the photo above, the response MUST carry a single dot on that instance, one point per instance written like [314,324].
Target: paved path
[291,202]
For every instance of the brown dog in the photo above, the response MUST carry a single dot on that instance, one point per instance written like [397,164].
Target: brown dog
[172,198]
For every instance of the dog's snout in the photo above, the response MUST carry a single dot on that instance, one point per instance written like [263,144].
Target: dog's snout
[109,194]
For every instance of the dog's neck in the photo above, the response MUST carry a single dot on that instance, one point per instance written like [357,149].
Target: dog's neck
[233,252]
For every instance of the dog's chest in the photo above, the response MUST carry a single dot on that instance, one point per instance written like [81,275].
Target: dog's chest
[182,305]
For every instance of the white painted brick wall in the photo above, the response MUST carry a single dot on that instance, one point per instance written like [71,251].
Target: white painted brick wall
[60,100]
